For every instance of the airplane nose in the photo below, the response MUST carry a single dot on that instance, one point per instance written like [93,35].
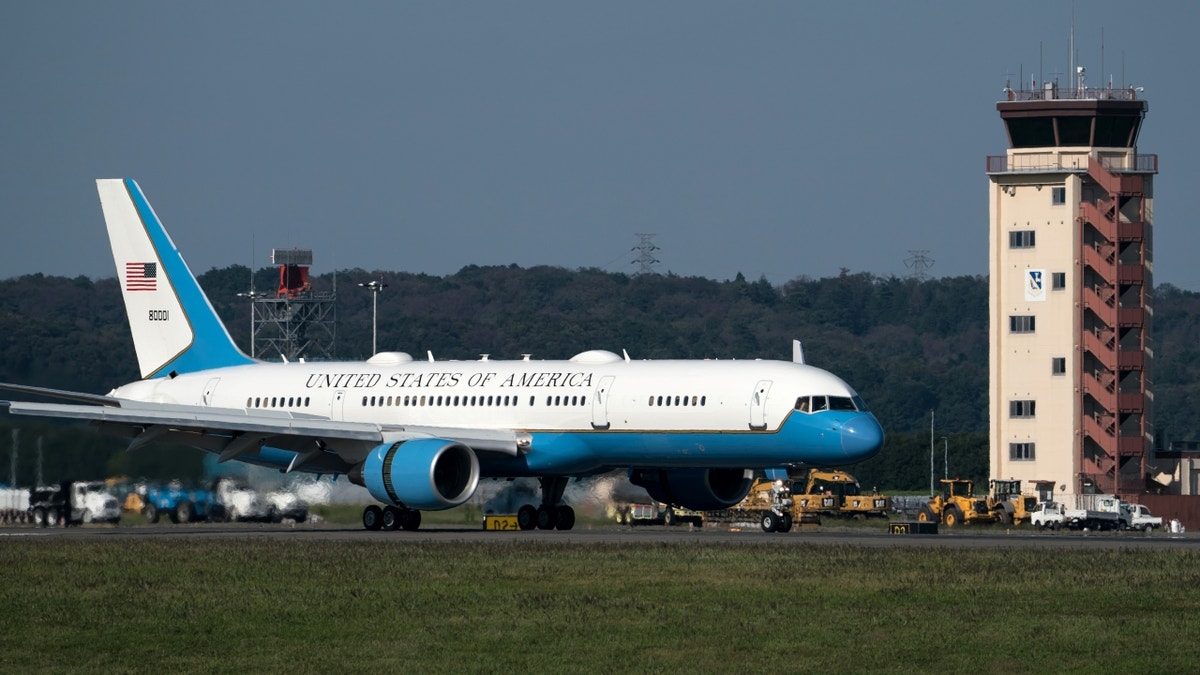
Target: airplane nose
[862,437]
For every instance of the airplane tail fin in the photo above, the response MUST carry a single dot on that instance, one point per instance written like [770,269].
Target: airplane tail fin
[175,328]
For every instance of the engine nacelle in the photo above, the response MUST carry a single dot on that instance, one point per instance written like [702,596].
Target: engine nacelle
[423,473]
[696,489]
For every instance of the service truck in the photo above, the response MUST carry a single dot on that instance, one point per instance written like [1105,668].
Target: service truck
[1129,516]
[73,503]
[1138,517]
[1053,515]
[14,505]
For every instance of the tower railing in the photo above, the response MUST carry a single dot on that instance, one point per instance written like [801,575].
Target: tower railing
[1066,161]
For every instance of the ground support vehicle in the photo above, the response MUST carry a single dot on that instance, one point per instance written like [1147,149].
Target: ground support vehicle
[180,505]
[73,503]
[1053,515]
[236,501]
[1138,517]
[1008,504]
[287,505]
[14,505]
[769,503]
[1130,516]
[837,494]
[654,513]
[956,505]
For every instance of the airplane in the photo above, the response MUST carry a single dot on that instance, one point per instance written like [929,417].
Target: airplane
[419,434]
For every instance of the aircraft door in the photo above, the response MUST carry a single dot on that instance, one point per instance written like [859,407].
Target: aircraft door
[337,406]
[600,402]
[209,389]
[758,405]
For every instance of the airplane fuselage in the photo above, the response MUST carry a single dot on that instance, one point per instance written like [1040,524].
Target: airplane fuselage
[587,414]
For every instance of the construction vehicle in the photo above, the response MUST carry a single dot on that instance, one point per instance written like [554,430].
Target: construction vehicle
[956,505]
[769,503]
[1008,504]
[835,493]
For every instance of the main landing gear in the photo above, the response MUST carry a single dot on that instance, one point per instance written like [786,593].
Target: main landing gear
[391,518]
[550,514]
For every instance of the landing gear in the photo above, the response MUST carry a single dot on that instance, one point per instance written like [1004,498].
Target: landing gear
[372,517]
[550,515]
[391,518]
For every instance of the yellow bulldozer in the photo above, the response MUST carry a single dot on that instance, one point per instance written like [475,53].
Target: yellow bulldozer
[957,505]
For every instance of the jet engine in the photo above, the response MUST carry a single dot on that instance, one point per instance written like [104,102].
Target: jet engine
[696,489]
[423,473]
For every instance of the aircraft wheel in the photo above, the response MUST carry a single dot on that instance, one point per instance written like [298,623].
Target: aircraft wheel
[770,521]
[566,517]
[547,517]
[372,517]
[527,517]
[785,523]
[410,520]
[391,518]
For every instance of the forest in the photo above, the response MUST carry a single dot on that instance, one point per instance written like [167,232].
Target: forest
[913,349]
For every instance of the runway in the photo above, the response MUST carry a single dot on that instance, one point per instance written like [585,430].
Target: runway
[613,535]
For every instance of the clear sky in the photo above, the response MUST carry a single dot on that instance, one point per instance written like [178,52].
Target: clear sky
[772,138]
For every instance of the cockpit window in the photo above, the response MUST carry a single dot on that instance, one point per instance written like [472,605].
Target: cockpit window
[840,403]
[812,404]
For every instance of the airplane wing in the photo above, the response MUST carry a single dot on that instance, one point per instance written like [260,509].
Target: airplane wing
[319,443]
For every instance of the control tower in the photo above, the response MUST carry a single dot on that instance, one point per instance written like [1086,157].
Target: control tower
[295,322]
[1070,233]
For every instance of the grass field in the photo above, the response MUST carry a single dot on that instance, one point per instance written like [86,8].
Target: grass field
[272,605]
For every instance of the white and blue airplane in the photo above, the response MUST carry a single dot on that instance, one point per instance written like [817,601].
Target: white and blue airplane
[420,434]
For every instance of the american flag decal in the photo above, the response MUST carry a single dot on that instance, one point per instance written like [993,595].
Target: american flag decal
[141,276]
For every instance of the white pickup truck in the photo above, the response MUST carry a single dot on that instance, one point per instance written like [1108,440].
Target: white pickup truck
[1138,517]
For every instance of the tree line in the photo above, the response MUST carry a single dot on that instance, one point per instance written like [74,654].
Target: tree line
[909,347]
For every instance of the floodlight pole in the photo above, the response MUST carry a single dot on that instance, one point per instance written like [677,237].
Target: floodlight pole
[375,287]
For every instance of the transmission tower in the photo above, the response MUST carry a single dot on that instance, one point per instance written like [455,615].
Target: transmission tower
[919,262]
[645,249]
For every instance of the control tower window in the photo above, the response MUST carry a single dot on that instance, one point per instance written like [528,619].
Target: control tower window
[1021,239]
[1020,324]
[1021,451]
